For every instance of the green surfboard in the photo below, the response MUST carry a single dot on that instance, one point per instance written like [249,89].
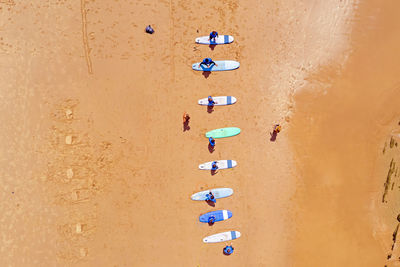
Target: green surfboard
[223,132]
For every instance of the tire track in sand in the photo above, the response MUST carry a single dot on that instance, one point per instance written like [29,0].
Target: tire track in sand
[85,38]
[171,27]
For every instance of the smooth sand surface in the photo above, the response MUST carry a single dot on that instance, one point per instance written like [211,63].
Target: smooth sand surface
[344,138]
[97,170]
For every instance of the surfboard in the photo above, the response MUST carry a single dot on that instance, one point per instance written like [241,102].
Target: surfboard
[223,132]
[220,215]
[221,39]
[221,66]
[219,100]
[221,237]
[221,164]
[217,192]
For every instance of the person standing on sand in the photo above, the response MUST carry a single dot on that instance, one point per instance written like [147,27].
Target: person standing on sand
[277,128]
[211,141]
[213,35]
[208,62]
[228,250]
[186,118]
[274,134]
[149,29]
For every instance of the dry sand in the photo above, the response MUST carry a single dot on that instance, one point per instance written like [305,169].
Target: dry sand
[97,170]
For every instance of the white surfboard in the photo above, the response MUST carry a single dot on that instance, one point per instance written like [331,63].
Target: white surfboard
[221,39]
[222,65]
[221,164]
[217,192]
[219,100]
[222,237]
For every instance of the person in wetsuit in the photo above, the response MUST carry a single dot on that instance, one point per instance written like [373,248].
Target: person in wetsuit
[208,62]
[210,197]
[213,35]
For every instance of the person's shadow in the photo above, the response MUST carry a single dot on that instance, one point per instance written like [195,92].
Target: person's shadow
[206,74]
[211,148]
[210,203]
[214,172]
[186,126]
[273,136]
[210,109]
[212,46]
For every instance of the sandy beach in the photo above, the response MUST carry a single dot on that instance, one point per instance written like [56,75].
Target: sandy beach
[344,140]
[97,169]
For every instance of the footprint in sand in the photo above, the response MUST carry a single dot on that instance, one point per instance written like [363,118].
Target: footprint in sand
[68,114]
[70,173]
[78,228]
[69,139]
[83,252]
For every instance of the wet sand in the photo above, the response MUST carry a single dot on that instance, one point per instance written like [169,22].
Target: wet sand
[343,121]
[97,168]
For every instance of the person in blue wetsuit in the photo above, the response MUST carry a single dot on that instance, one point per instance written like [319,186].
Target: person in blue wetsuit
[212,141]
[228,250]
[211,220]
[210,197]
[213,35]
[208,62]
[214,166]
[211,101]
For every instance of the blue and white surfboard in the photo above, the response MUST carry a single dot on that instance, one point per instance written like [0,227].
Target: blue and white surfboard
[217,192]
[222,237]
[220,66]
[221,164]
[221,39]
[220,215]
[219,100]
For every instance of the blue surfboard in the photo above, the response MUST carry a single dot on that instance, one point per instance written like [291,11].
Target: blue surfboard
[220,215]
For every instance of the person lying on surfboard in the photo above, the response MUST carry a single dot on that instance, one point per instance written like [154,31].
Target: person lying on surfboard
[212,141]
[208,62]
[210,197]
[214,166]
[213,35]
[211,101]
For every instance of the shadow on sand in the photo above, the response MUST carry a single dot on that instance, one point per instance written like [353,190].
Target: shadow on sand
[211,148]
[186,126]
[273,136]
[210,203]
[206,74]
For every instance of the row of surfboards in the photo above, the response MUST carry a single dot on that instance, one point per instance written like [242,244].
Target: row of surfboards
[219,215]
[221,65]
